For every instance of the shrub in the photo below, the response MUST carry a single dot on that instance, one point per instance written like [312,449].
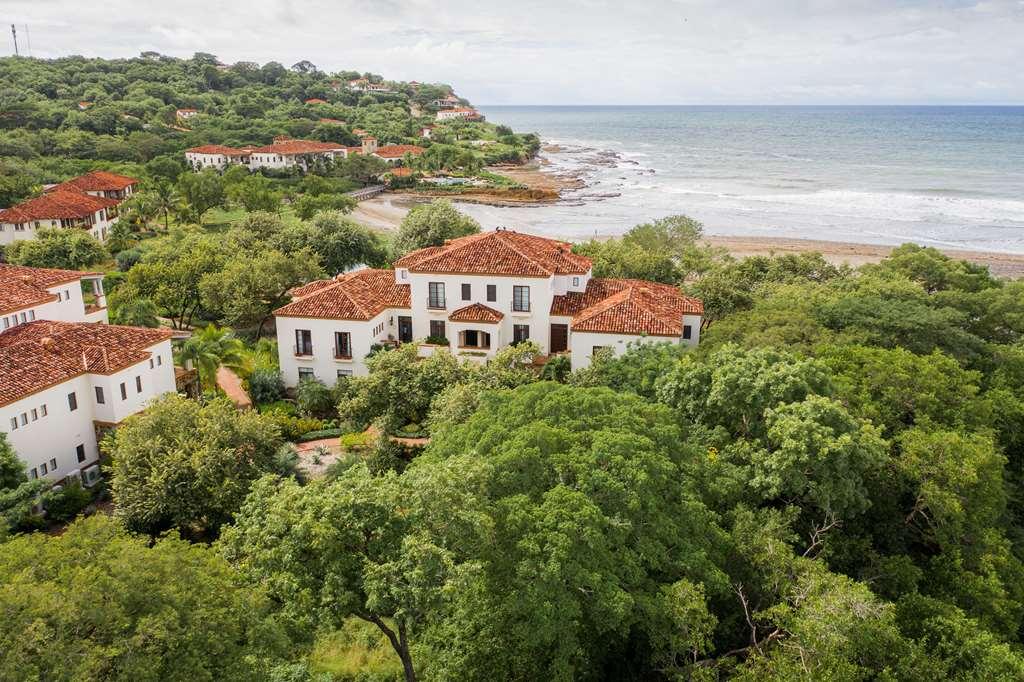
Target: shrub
[285,407]
[437,340]
[322,433]
[265,386]
[388,455]
[126,259]
[412,430]
[293,428]
[356,442]
[314,399]
[64,505]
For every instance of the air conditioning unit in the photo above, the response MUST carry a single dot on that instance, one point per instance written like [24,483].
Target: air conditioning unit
[91,475]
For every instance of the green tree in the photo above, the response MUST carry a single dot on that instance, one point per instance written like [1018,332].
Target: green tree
[430,225]
[201,192]
[211,348]
[70,249]
[17,494]
[188,466]
[96,603]
[255,193]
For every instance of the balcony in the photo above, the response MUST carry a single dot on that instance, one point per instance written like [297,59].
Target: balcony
[342,353]
[436,304]
[303,351]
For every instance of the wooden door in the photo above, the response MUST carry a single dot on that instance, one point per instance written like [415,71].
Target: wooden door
[559,338]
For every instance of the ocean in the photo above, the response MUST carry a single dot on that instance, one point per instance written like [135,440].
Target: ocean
[940,176]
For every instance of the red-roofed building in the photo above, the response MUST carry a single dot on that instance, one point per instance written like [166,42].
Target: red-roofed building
[28,294]
[100,183]
[393,153]
[315,100]
[215,156]
[63,383]
[59,207]
[481,293]
[292,153]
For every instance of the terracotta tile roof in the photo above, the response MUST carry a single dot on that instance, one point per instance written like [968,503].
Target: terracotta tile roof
[332,121]
[316,100]
[290,147]
[476,312]
[218,149]
[97,181]
[59,203]
[400,172]
[22,287]
[359,295]
[501,252]
[627,306]
[41,354]
[397,151]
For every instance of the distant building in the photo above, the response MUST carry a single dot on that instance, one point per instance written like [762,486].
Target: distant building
[315,100]
[425,132]
[82,106]
[58,208]
[100,183]
[186,114]
[393,153]
[332,122]
[450,101]
[215,156]
[294,153]
[459,112]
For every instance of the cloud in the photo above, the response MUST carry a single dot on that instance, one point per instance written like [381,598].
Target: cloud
[587,51]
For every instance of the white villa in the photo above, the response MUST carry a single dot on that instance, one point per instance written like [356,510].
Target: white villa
[63,384]
[292,153]
[87,202]
[459,112]
[477,294]
[29,294]
[448,102]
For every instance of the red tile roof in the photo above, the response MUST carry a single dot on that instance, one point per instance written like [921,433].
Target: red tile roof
[22,287]
[218,149]
[360,295]
[290,147]
[627,306]
[42,354]
[59,203]
[477,312]
[97,181]
[332,121]
[316,100]
[400,172]
[501,252]
[397,151]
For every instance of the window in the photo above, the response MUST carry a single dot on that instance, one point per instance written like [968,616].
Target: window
[342,345]
[14,423]
[53,464]
[159,361]
[34,474]
[467,292]
[72,402]
[100,399]
[521,299]
[405,274]
[303,342]
[520,333]
[306,374]
[42,410]
[138,384]
[344,373]
[151,363]
[492,292]
[35,414]
[687,331]
[435,294]
[575,281]
[24,418]
[124,391]
[437,329]
[80,452]
[43,469]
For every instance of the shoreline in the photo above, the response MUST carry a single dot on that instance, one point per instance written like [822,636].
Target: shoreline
[386,211]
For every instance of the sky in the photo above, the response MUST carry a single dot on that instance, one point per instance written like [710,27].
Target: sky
[582,51]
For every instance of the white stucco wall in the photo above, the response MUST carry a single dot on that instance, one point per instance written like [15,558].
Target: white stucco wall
[56,435]
[323,363]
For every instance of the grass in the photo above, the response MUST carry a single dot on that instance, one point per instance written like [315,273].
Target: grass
[358,651]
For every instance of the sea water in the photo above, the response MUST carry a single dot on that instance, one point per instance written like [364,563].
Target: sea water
[940,176]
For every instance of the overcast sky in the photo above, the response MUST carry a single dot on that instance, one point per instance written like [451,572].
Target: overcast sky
[583,51]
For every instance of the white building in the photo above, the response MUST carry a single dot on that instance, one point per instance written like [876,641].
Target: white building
[215,156]
[29,294]
[295,153]
[186,114]
[477,293]
[448,102]
[459,112]
[63,384]
[58,208]
[100,183]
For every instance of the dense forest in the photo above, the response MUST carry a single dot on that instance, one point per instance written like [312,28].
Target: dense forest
[828,487]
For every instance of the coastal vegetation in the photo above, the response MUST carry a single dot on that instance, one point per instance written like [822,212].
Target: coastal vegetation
[827,487]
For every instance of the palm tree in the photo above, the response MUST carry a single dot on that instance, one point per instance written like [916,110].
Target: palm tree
[211,348]
[165,201]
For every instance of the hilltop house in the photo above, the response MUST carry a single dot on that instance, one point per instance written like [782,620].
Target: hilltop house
[450,101]
[63,384]
[315,100]
[186,114]
[292,153]
[364,85]
[88,202]
[459,112]
[477,294]
[28,294]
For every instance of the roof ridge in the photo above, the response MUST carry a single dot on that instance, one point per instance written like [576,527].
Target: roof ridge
[512,245]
